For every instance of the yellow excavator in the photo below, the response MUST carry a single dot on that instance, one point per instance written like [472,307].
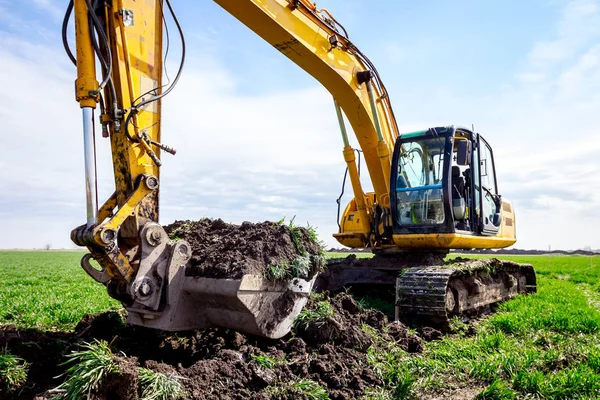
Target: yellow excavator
[433,190]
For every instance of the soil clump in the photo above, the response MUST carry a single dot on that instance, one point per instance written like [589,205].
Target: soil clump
[222,250]
[222,363]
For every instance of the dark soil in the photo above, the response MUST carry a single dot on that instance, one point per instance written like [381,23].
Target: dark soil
[222,250]
[219,363]
[122,385]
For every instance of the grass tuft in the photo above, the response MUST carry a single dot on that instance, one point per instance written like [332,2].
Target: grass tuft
[314,318]
[392,366]
[303,388]
[89,367]
[310,389]
[497,390]
[458,326]
[13,371]
[300,266]
[403,381]
[277,272]
[158,386]
[377,394]
[264,361]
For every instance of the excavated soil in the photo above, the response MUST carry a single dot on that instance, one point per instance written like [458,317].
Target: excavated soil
[222,250]
[218,363]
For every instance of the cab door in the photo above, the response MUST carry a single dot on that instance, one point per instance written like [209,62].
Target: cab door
[489,198]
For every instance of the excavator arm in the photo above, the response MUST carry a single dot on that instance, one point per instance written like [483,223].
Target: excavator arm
[138,262]
[143,268]
[124,39]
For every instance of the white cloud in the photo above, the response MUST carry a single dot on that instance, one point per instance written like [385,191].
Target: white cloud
[546,135]
[49,7]
[579,23]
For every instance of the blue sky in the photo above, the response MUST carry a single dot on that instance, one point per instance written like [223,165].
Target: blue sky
[526,74]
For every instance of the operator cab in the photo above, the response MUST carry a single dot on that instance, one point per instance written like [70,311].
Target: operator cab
[444,182]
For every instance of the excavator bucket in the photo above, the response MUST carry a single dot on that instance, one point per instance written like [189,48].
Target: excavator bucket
[251,304]
[168,299]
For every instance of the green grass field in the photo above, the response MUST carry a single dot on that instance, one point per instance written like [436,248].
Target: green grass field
[540,346]
[48,289]
[545,345]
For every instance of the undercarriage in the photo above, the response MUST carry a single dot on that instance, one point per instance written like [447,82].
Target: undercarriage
[431,289]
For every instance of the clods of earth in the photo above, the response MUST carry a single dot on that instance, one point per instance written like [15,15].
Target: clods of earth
[326,355]
[222,250]
[328,352]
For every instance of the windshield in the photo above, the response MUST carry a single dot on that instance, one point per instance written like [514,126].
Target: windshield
[419,192]
[421,162]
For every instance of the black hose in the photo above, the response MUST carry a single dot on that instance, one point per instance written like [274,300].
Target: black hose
[339,199]
[135,107]
[65,24]
[130,114]
[105,65]
[360,55]
[167,47]
[104,39]
[166,92]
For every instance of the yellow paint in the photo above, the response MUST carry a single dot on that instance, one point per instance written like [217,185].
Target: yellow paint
[137,60]
[353,240]
[125,211]
[86,83]
[304,39]
[383,153]
[106,211]
[359,195]
[353,224]
[137,65]
[508,227]
[451,241]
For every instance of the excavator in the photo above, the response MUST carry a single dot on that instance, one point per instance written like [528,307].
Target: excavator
[433,190]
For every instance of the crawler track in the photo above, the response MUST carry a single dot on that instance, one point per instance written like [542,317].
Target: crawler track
[466,288]
[429,288]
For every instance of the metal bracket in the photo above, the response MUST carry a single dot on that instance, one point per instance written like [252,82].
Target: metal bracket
[105,234]
[100,275]
[158,256]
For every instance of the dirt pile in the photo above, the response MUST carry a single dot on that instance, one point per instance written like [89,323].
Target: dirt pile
[328,350]
[222,250]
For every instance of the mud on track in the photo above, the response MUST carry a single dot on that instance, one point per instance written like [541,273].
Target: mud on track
[220,363]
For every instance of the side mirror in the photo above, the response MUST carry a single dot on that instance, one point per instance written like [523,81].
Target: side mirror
[497,219]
